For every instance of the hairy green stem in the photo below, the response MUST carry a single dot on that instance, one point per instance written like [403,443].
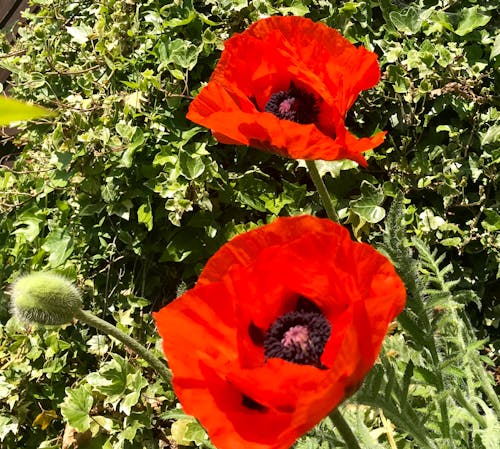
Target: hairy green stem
[408,420]
[459,397]
[486,386]
[109,329]
[344,429]
[322,190]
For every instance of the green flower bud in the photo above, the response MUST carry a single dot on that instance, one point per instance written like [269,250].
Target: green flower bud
[45,298]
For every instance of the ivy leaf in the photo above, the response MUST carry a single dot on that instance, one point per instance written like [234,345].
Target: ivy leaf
[183,53]
[29,227]
[8,424]
[492,135]
[76,407]
[111,380]
[492,221]
[368,205]
[471,19]
[59,245]
[397,76]
[495,50]
[332,167]
[191,166]
[14,110]
[145,215]
[80,34]
[407,21]
[136,383]
[187,430]
[44,418]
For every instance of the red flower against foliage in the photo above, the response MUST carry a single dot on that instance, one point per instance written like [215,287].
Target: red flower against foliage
[284,322]
[285,85]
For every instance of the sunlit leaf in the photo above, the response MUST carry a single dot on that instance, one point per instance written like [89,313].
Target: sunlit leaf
[12,110]
[76,407]
[471,19]
[44,418]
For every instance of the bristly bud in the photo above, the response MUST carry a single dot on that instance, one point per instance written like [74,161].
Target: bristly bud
[45,298]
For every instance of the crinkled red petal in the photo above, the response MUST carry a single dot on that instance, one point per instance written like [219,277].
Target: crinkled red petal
[316,59]
[244,248]
[255,278]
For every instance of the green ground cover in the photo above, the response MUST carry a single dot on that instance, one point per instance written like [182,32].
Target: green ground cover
[125,196]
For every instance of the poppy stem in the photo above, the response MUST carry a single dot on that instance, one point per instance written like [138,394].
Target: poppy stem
[322,190]
[344,429]
[107,328]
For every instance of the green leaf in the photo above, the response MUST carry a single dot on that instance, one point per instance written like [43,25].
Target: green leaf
[80,34]
[136,383]
[91,209]
[191,166]
[14,110]
[495,50]
[471,19]
[111,380]
[183,53]
[297,8]
[76,407]
[145,215]
[397,77]
[368,205]
[28,227]
[98,344]
[332,167]
[492,135]
[492,221]
[176,22]
[406,21]
[59,246]
[187,430]
[8,424]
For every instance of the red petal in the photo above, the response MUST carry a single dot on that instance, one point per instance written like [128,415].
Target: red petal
[291,49]
[244,248]
[220,373]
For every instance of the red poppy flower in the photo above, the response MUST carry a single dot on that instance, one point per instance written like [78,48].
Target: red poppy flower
[285,85]
[284,322]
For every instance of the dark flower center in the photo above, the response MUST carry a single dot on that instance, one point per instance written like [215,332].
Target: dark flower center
[299,336]
[293,104]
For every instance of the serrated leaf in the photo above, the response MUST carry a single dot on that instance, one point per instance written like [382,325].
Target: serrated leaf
[12,110]
[76,407]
